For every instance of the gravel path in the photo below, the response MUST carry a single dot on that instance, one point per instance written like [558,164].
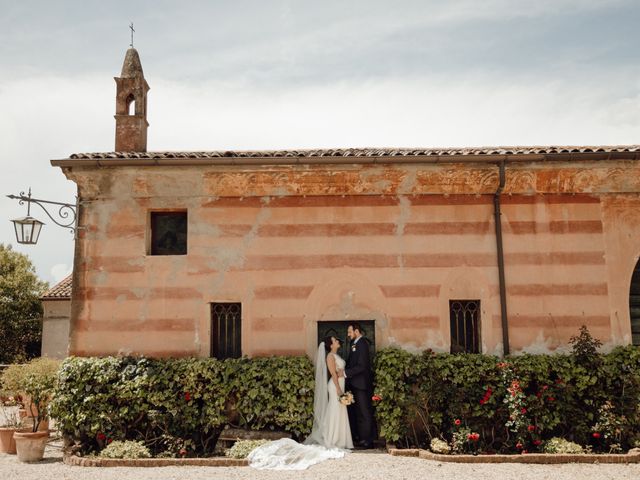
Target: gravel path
[358,465]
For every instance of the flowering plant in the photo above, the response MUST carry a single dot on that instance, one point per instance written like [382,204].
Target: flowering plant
[347,398]
[126,449]
[242,448]
[609,427]
[464,439]
[439,446]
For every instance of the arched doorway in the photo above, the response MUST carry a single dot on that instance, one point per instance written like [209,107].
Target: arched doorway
[634,305]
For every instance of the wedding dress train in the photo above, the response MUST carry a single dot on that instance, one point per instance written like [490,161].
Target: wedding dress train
[330,436]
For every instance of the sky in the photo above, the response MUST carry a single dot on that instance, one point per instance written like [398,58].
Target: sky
[306,74]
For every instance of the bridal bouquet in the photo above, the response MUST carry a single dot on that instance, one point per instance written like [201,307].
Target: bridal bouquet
[347,398]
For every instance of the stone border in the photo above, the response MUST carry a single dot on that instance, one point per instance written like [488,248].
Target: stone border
[542,458]
[76,461]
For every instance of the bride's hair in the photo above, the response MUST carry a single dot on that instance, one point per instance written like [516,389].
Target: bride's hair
[327,343]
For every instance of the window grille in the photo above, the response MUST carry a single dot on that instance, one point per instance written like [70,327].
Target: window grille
[226,330]
[465,326]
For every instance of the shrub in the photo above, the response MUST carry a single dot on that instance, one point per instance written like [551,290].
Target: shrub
[242,448]
[440,446]
[126,449]
[180,406]
[514,404]
[560,445]
[36,381]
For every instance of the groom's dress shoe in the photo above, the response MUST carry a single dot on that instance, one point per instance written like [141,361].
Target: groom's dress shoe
[363,446]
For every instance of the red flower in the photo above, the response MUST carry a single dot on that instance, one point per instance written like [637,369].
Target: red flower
[487,396]
[551,399]
[519,446]
[457,422]
[183,451]
[595,435]
[187,396]
[101,436]
[473,437]
[376,398]
[524,452]
[523,411]
[545,387]
[109,440]
[531,428]
[537,442]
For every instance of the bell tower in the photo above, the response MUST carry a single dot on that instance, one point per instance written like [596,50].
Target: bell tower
[131,105]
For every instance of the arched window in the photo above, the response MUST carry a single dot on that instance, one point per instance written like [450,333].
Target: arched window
[634,305]
[131,104]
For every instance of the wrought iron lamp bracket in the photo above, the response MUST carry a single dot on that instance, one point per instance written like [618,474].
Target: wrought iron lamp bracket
[67,214]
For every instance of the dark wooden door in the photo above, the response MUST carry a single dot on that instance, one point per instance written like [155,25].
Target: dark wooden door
[338,329]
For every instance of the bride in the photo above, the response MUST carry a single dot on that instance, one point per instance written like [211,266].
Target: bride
[331,433]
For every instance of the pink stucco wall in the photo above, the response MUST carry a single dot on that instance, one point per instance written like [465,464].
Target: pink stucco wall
[299,245]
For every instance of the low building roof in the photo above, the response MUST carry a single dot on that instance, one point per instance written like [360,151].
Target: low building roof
[60,291]
[353,156]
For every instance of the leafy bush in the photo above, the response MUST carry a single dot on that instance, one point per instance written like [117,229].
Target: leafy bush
[179,406]
[514,404]
[560,445]
[35,380]
[126,449]
[242,448]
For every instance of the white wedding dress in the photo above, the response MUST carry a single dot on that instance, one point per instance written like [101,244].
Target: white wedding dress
[330,437]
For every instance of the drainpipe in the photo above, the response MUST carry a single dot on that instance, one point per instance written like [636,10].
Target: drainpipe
[503,294]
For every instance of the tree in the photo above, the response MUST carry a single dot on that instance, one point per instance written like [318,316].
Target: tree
[20,307]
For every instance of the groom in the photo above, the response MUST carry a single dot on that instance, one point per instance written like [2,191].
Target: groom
[359,377]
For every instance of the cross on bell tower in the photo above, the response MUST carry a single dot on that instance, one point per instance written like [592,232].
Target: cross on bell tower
[131,104]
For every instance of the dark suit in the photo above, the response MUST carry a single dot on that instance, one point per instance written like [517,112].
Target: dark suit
[360,381]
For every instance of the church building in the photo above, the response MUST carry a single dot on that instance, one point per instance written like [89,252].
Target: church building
[231,253]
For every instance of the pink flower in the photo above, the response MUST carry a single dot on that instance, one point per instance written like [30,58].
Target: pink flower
[523,411]
[457,422]
[519,446]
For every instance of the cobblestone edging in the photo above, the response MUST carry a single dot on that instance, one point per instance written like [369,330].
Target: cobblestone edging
[542,458]
[153,462]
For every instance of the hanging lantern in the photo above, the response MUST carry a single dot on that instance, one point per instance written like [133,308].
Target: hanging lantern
[27,230]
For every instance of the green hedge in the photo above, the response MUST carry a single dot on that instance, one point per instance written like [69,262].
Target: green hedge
[513,404]
[180,406]
[474,402]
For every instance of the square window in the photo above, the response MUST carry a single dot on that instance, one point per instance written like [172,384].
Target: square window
[168,233]
[465,326]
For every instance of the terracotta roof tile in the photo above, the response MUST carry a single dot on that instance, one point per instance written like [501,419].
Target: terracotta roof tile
[60,291]
[367,152]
